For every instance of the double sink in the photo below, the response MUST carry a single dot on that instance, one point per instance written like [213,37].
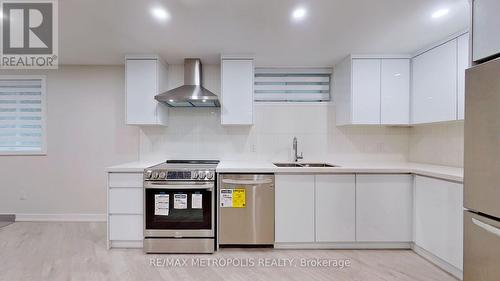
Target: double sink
[304,165]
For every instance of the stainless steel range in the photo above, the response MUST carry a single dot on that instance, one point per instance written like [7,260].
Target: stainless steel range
[179,207]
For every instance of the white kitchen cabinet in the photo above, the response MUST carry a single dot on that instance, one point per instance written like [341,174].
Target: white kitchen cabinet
[485,23]
[237,74]
[395,92]
[439,218]
[462,65]
[294,208]
[126,201]
[371,90]
[434,95]
[366,91]
[125,210]
[145,77]
[335,208]
[384,205]
[125,227]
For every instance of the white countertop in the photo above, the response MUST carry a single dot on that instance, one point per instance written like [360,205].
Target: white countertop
[131,167]
[442,172]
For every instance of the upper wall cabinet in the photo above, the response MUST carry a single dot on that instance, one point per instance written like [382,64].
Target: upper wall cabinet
[438,82]
[485,23]
[237,74]
[372,91]
[145,77]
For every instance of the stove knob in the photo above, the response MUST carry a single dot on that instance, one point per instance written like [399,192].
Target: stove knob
[195,175]
[201,175]
[147,174]
[155,174]
[162,175]
[210,175]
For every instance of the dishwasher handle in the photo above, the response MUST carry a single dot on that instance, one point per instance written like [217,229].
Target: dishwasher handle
[247,182]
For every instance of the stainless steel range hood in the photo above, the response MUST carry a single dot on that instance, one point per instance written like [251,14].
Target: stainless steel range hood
[191,94]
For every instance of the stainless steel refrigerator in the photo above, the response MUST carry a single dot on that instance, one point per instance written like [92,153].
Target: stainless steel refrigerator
[482,173]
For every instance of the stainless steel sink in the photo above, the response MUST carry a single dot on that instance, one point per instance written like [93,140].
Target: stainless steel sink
[286,165]
[305,165]
[316,165]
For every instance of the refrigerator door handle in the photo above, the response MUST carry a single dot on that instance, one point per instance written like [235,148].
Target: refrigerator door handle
[487,227]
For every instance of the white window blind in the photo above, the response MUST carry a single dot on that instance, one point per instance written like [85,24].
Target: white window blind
[22,115]
[297,85]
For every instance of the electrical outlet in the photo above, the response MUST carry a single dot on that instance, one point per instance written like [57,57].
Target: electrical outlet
[23,195]
[254,148]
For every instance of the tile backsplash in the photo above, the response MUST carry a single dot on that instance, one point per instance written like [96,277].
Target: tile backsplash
[440,144]
[197,133]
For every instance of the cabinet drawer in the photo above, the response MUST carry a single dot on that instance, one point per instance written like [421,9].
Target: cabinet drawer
[126,201]
[125,180]
[125,227]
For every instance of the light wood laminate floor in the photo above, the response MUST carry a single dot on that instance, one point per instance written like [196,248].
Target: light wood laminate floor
[77,251]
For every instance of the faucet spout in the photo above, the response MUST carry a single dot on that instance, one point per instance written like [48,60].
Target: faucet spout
[295,153]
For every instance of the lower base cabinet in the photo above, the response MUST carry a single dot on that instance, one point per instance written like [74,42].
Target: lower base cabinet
[439,219]
[335,208]
[294,208]
[384,208]
[125,210]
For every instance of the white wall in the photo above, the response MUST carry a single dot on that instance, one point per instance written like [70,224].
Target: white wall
[86,133]
[197,133]
[440,144]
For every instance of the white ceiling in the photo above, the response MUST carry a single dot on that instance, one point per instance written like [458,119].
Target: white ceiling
[103,31]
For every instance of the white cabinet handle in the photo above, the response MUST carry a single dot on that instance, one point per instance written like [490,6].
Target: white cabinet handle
[487,227]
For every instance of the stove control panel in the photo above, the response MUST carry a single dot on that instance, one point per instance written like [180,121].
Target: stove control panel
[179,175]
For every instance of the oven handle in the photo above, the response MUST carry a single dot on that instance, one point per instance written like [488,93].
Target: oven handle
[179,186]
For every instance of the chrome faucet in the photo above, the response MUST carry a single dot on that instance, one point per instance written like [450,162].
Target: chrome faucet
[296,156]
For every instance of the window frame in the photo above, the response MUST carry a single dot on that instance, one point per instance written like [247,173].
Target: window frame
[43,98]
[294,71]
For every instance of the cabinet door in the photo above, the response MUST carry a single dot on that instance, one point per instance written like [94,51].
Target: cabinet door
[485,23]
[335,208]
[435,85]
[395,93]
[384,205]
[237,92]
[294,208]
[366,91]
[463,64]
[141,84]
[439,218]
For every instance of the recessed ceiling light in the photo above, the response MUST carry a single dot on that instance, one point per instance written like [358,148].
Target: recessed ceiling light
[440,13]
[160,14]
[299,13]
[171,100]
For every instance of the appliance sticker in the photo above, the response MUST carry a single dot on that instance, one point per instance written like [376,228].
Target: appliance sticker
[161,204]
[233,198]
[196,201]
[226,198]
[239,198]
[180,201]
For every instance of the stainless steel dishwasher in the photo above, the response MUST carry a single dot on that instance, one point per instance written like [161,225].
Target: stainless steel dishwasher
[246,209]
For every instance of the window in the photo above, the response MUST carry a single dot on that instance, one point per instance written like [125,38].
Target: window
[292,85]
[22,115]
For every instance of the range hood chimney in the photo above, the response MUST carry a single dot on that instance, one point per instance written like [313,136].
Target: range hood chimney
[191,94]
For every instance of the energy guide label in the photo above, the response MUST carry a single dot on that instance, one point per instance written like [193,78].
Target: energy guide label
[233,198]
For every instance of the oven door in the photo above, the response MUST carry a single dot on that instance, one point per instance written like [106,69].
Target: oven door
[178,209]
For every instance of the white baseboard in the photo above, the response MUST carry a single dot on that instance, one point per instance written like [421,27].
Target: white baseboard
[344,245]
[438,262]
[126,244]
[62,217]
